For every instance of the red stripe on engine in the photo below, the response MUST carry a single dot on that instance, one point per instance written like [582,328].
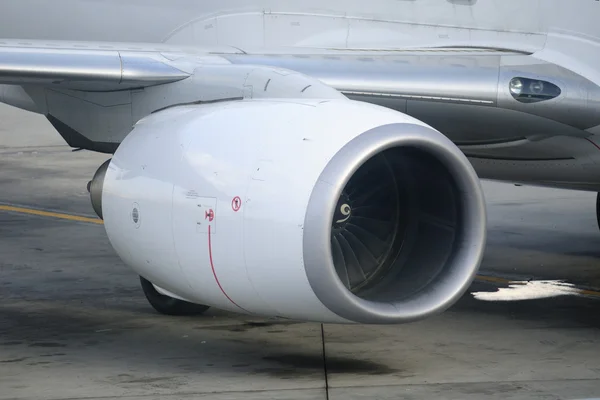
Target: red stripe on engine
[215,273]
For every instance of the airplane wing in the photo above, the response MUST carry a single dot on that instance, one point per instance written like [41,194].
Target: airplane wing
[469,94]
[93,66]
[108,70]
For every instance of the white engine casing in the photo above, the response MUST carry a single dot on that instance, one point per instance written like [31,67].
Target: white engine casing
[169,207]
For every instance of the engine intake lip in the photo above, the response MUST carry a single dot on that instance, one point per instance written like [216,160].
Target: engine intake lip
[452,281]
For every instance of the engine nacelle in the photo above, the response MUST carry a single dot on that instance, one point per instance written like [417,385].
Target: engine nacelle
[331,211]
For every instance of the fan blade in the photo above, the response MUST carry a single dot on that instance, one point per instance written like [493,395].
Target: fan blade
[437,221]
[375,245]
[381,229]
[366,259]
[379,212]
[355,272]
[339,262]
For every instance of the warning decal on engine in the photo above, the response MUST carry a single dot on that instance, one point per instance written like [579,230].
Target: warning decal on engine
[206,214]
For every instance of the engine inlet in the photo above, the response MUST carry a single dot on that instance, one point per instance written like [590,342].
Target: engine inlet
[405,228]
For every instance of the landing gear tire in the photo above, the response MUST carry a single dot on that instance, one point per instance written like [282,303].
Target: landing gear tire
[598,209]
[167,305]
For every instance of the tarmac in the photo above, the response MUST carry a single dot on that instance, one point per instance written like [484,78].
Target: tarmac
[74,323]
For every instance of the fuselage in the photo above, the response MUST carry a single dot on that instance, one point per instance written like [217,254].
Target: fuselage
[158,21]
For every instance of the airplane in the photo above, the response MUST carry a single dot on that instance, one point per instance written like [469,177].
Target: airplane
[309,160]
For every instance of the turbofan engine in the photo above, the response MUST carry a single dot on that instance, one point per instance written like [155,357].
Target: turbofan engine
[331,211]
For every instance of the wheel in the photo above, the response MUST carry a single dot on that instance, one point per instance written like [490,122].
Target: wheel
[168,305]
[598,209]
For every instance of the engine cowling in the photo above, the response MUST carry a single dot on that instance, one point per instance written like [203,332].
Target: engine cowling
[332,211]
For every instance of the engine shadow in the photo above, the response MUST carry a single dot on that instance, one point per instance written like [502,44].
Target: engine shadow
[217,343]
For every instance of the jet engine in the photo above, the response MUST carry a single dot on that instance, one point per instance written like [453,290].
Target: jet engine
[320,210]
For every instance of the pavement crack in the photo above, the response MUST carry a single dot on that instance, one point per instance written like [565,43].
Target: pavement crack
[325,363]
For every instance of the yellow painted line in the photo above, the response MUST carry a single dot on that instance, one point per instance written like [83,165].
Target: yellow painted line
[50,214]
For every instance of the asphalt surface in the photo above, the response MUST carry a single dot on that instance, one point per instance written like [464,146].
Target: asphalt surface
[74,323]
